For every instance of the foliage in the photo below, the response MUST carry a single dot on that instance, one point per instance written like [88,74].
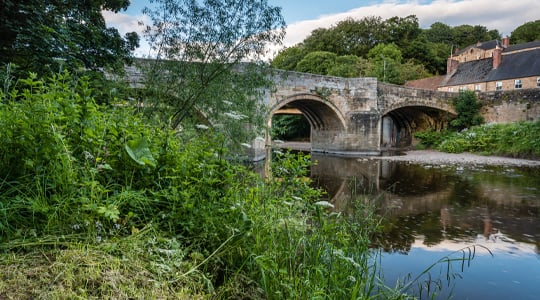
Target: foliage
[467,108]
[466,35]
[431,138]
[346,66]
[199,46]
[518,139]
[318,62]
[288,58]
[63,156]
[45,36]
[527,32]
[347,37]
[289,127]
[425,50]
[314,252]
[101,201]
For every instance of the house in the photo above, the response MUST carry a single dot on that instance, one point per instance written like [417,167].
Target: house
[489,66]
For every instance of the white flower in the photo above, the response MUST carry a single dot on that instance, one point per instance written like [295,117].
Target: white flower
[227,102]
[324,204]
[246,145]
[201,126]
[234,115]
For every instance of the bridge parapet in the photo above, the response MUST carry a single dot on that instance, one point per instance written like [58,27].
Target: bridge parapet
[393,96]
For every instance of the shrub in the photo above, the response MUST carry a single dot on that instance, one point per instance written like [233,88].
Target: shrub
[468,110]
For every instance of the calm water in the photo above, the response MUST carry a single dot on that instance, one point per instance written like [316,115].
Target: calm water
[432,212]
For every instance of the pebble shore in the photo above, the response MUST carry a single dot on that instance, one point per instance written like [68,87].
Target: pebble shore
[440,158]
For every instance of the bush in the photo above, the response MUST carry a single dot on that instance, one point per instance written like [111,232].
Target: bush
[468,110]
[431,138]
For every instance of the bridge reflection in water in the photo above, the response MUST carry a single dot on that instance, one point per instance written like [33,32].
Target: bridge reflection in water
[431,211]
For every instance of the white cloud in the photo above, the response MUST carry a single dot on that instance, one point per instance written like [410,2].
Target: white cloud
[126,23]
[503,15]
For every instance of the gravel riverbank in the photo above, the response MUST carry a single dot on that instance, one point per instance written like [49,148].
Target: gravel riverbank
[440,158]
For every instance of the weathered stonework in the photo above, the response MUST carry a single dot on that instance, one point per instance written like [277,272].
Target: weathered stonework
[361,116]
[510,106]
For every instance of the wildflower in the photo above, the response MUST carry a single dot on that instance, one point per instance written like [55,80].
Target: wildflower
[88,156]
[234,115]
[324,204]
[201,126]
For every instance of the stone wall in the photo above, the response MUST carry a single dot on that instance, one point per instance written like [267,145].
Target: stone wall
[510,106]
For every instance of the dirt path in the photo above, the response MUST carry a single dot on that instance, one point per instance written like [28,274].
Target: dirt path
[434,157]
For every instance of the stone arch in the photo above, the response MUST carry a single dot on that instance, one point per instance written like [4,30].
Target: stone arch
[322,115]
[400,123]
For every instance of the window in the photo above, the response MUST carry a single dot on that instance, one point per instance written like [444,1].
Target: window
[478,88]
[498,85]
[538,82]
[517,83]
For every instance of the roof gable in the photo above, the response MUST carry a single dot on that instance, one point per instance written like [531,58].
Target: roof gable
[471,72]
[517,65]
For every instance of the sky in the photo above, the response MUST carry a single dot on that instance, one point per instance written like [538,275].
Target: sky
[303,16]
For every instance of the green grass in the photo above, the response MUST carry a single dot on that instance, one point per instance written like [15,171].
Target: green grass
[99,202]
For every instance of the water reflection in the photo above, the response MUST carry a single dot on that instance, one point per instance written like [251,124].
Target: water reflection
[433,210]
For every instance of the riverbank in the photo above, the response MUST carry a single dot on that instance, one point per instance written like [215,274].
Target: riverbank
[440,158]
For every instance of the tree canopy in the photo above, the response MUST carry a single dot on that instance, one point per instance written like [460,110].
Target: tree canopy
[200,45]
[527,32]
[423,52]
[41,36]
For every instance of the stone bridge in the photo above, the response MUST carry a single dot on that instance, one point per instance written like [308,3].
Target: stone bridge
[357,116]
[361,116]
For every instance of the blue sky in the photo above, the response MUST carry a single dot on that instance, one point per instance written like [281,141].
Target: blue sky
[303,16]
[292,10]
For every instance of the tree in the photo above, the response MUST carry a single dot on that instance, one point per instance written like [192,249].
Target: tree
[288,58]
[318,62]
[527,32]
[347,37]
[200,48]
[42,36]
[439,33]
[401,31]
[466,35]
[345,66]
[468,110]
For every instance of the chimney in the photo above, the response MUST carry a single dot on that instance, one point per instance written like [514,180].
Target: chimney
[451,65]
[497,57]
[505,42]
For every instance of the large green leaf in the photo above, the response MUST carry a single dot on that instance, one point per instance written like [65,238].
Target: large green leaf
[139,151]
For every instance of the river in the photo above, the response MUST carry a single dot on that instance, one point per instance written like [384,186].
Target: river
[487,217]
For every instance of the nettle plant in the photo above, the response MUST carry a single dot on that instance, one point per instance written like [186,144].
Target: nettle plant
[64,157]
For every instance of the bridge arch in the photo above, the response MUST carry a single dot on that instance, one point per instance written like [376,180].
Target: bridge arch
[322,115]
[401,122]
